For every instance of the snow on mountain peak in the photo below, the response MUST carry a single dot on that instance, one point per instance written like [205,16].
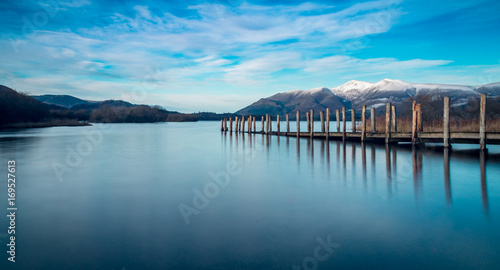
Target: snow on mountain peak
[353,84]
[319,89]
[388,84]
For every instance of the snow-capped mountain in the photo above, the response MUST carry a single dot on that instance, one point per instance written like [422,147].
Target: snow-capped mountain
[355,94]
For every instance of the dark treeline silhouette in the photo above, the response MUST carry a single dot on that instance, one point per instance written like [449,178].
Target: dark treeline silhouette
[19,110]
[137,114]
[17,107]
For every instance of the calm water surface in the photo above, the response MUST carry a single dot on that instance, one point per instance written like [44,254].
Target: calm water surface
[185,196]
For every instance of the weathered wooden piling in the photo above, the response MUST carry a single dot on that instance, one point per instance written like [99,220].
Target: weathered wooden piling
[420,123]
[446,122]
[337,115]
[363,123]
[322,120]
[243,121]
[262,121]
[343,123]
[482,123]
[391,134]
[387,122]
[372,122]
[308,122]
[298,124]
[249,124]
[353,120]
[414,129]
[267,123]
[270,123]
[287,124]
[278,123]
[312,123]
[394,120]
[327,123]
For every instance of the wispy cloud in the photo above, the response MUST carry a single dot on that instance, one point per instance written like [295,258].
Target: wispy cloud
[225,48]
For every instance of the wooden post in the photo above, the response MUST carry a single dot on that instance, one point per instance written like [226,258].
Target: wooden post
[254,125]
[298,124]
[353,120]
[482,123]
[420,123]
[278,122]
[363,123]
[270,123]
[225,124]
[222,125]
[243,124]
[249,124]
[343,123]
[287,124]
[312,122]
[308,122]
[446,122]
[262,121]
[387,122]
[414,121]
[267,123]
[337,115]
[394,120]
[230,124]
[373,123]
[322,120]
[327,123]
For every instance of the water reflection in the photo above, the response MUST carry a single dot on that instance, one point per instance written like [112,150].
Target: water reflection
[484,188]
[447,181]
[410,160]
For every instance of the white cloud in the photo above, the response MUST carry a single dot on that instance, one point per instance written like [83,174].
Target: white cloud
[338,63]
[237,48]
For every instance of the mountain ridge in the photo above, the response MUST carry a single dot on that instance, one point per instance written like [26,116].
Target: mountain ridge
[354,94]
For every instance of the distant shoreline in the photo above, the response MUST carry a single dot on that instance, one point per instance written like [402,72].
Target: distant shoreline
[44,124]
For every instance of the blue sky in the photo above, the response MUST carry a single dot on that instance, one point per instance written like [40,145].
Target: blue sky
[221,55]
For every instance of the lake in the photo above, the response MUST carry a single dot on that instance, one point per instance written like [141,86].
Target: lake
[186,196]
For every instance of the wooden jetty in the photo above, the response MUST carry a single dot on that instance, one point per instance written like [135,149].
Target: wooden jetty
[390,136]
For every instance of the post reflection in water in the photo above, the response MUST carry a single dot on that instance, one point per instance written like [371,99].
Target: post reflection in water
[311,152]
[417,180]
[298,152]
[394,163]
[388,170]
[373,161]
[344,162]
[484,188]
[363,163]
[338,155]
[447,182]
[328,159]
[391,164]
[353,158]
